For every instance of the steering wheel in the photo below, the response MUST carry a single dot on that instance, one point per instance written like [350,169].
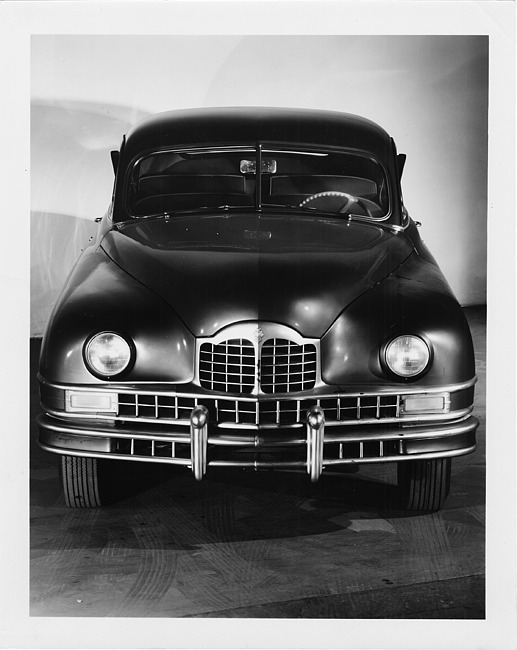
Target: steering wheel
[350,199]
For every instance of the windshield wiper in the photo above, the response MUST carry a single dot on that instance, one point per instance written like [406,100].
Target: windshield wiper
[166,215]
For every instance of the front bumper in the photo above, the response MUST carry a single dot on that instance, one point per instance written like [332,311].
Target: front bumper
[313,443]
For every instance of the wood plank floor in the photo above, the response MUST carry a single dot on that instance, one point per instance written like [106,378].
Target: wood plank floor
[260,545]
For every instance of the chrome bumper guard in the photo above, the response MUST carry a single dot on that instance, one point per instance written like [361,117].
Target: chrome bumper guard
[199,442]
[315,439]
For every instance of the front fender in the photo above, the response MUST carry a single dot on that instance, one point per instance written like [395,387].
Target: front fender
[99,296]
[415,299]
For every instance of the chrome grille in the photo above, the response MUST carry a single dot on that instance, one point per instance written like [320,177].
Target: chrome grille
[245,365]
[228,367]
[286,367]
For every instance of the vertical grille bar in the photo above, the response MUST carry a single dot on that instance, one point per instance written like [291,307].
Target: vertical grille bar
[274,362]
[289,363]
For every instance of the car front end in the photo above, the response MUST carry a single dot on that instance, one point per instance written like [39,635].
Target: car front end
[259,305]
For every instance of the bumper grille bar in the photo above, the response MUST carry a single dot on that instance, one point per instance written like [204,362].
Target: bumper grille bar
[262,412]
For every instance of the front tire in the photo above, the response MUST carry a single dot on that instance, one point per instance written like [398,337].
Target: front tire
[424,484]
[81,482]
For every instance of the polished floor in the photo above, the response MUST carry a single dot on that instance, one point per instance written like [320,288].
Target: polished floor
[260,545]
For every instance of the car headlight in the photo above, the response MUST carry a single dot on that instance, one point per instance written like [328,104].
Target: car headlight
[407,356]
[107,354]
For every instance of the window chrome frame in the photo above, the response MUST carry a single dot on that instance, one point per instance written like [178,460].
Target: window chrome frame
[258,148]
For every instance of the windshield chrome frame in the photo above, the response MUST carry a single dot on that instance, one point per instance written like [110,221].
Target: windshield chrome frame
[259,148]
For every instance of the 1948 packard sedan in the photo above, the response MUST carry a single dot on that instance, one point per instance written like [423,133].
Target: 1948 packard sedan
[257,296]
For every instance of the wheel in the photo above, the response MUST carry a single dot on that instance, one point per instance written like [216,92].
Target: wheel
[424,484]
[80,479]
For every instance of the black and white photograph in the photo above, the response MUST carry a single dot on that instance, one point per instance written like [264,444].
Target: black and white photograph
[267,314]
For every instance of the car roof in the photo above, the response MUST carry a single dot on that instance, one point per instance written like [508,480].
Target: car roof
[236,125]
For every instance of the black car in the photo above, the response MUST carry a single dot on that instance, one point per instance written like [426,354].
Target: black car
[257,296]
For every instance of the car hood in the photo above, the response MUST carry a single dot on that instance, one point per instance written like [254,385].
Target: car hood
[301,271]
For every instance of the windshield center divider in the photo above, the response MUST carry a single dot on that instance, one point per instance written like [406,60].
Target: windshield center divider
[258,182]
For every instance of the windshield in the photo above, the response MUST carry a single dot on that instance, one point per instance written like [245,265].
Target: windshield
[259,177]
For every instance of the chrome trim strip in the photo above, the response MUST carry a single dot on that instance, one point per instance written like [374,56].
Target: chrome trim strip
[173,436]
[370,434]
[262,465]
[253,439]
[131,389]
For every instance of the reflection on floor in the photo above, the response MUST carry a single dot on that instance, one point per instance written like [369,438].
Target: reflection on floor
[243,544]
